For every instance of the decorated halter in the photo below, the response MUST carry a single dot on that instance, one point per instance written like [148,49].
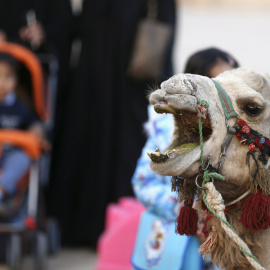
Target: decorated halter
[243,131]
[256,210]
[255,213]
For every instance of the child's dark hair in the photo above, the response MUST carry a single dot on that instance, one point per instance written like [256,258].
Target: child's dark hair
[202,61]
[6,58]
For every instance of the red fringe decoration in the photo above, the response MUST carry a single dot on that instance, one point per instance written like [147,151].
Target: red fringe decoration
[204,229]
[210,243]
[255,214]
[187,220]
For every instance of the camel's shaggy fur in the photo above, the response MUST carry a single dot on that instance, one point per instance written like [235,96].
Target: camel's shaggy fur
[227,254]
[244,87]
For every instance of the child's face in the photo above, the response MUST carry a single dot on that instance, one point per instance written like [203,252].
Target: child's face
[7,80]
[219,67]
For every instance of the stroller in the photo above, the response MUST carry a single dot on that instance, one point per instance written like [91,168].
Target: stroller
[25,228]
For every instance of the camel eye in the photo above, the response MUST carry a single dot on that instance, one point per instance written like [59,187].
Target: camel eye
[252,110]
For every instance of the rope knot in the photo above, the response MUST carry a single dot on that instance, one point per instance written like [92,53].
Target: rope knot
[214,198]
[202,107]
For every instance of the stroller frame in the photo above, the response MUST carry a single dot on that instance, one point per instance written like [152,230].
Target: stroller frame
[37,236]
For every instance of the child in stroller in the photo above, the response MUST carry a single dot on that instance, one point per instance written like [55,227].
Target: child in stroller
[14,114]
[24,122]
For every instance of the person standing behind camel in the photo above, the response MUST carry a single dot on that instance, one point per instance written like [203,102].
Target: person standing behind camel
[106,110]
[153,190]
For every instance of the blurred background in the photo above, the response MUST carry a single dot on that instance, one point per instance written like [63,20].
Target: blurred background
[235,26]
[100,110]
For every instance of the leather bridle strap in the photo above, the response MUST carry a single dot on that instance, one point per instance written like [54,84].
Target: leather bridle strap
[229,113]
[225,101]
[238,199]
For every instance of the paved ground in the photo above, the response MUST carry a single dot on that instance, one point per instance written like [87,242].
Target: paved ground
[81,259]
[242,32]
[67,259]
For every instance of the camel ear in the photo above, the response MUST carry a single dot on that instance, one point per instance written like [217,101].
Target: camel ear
[254,80]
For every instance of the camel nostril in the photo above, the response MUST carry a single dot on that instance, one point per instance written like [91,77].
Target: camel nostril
[162,102]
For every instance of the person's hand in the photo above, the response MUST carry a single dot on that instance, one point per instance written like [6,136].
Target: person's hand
[39,132]
[33,33]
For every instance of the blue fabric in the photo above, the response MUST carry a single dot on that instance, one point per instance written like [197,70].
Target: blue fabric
[14,163]
[192,259]
[18,221]
[151,189]
[14,114]
[158,247]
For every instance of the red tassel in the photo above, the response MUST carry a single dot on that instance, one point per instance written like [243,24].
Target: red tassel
[255,214]
[187,220]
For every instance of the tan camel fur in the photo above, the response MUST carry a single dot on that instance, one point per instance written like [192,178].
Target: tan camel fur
[250,96]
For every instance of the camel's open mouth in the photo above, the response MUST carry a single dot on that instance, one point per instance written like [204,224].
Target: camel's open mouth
[186,133]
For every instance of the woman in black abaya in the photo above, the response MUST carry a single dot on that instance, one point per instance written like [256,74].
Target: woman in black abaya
[103,127]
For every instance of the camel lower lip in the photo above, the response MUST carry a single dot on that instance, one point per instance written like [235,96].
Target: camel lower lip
[162,107]
[159,157]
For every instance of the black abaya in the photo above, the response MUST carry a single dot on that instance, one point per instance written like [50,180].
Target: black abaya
[103,134]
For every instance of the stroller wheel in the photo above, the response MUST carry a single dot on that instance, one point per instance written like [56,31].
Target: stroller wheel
[40,251]
[14,252]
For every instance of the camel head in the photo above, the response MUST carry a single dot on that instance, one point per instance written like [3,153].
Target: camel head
[250,96]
